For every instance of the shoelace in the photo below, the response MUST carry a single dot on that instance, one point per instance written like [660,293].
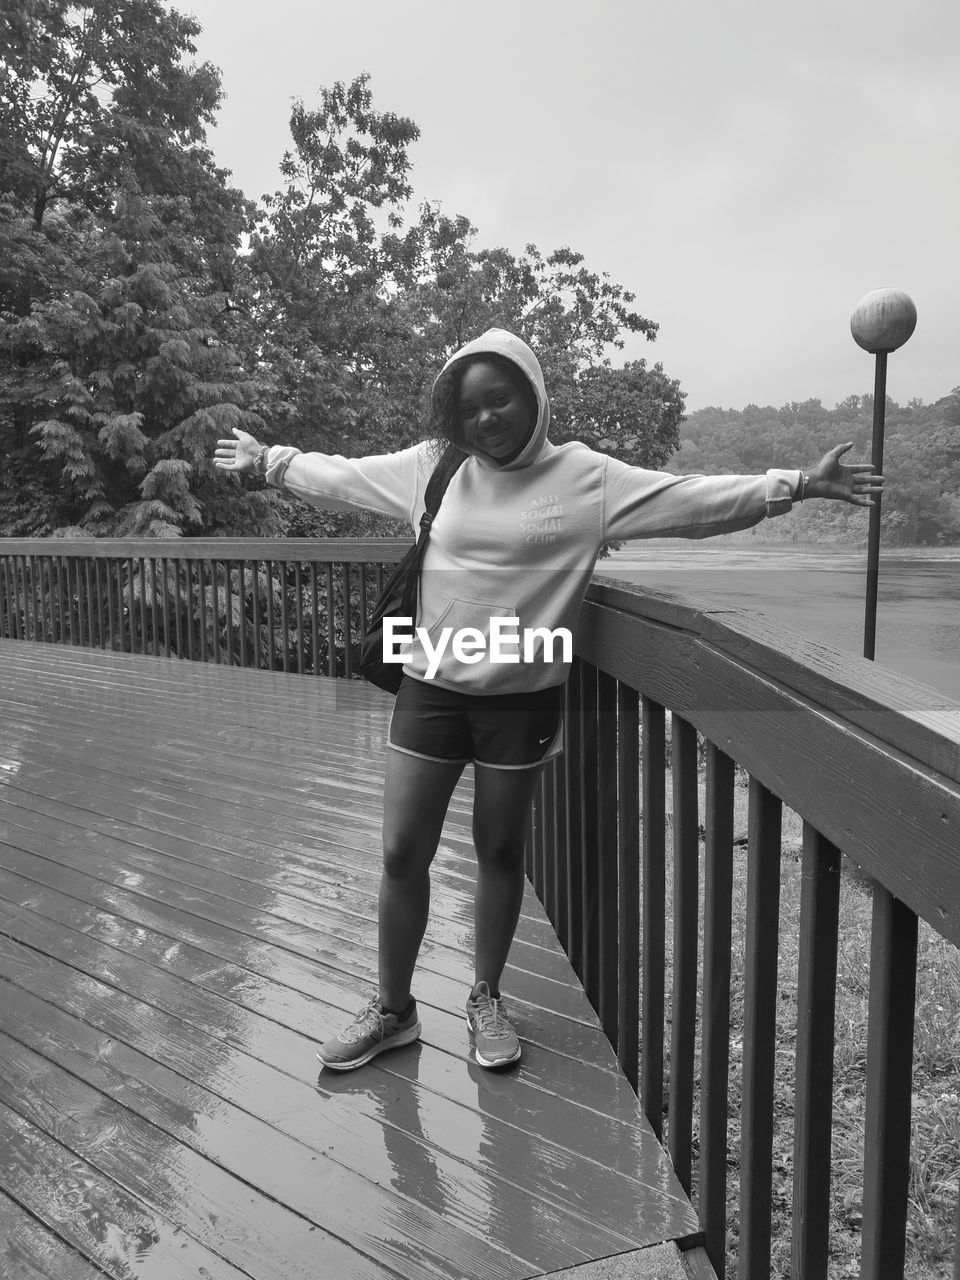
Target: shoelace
[369,1016]
[491,1021]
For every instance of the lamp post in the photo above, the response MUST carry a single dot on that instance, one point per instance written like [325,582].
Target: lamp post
[882,321]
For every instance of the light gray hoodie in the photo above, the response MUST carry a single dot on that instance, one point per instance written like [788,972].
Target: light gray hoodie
[521,540]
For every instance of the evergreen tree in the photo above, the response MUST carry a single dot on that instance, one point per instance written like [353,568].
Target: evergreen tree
[118,244]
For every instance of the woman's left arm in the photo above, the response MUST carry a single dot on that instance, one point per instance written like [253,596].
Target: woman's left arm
[844,482]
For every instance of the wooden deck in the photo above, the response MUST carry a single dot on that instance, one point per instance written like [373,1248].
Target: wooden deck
[188,872]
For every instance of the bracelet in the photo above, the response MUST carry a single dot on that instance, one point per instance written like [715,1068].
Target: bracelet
[801,492]
[260,464]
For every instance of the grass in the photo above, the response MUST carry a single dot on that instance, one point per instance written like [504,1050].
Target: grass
[935,1161]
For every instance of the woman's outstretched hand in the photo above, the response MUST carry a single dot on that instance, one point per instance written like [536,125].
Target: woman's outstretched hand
[238,454]
[853,482]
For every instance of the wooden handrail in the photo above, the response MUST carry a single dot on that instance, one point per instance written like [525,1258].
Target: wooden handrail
[870,761]
[352,550]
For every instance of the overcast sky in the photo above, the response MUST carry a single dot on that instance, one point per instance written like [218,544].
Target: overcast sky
[749,170]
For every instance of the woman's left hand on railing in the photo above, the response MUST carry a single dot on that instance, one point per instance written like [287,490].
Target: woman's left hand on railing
[239,454]
[844,482]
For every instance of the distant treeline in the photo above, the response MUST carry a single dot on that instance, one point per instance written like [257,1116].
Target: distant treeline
[921,463]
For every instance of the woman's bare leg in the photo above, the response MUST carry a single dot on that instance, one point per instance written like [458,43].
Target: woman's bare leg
[501,804]
[416,795]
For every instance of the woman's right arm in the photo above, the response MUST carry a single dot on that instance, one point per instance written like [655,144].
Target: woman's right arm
[388,483]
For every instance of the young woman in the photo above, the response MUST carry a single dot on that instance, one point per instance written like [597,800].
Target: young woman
[516,538]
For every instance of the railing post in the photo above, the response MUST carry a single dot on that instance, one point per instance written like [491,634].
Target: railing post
[816,997]
[759,1031]
[715,1036]
[570,933]
[314,621]
[298,598]
[589,971]
[130,604]
[653,809]
[548,864]
[6,614]
[72,589]
[686,892]
[893,993]
[257,620]
[284,618]
[228,609]
[331,624]
[606,870]
[628,881]
[154,616]
[112,570]
[271,637]
[347,630]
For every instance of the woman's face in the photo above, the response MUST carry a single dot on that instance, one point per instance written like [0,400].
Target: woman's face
[493,415]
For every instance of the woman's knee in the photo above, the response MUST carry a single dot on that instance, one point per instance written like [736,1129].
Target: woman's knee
[405,856]
[499,852]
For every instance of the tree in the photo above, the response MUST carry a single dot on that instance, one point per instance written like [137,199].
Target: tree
[93,90]
[632,412]
[127,377]
[357,309]
[572,316]
[318,263]
[118,255]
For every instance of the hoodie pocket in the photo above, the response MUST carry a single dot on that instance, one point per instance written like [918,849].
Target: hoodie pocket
[461,635]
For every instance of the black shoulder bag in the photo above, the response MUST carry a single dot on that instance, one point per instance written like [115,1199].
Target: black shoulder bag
[398,599]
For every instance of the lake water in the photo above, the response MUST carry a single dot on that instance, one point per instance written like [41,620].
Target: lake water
[821,593]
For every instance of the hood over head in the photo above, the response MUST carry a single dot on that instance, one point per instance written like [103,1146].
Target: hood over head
[502,343]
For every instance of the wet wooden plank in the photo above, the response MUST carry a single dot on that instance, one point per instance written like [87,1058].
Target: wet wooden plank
[191,908]
[68,1220]
[148,1129]
[131,1153]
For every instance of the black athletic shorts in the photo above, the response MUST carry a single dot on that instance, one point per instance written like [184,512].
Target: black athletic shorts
[501,731]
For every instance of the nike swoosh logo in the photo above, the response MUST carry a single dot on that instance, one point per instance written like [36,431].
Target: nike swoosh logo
[546,739]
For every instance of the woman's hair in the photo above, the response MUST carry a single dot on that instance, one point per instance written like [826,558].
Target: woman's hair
[446,395]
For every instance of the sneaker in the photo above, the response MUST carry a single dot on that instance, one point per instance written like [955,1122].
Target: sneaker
[371,1032]
[496,1043]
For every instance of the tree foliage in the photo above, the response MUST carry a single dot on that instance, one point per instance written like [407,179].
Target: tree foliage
[93,91]
[146,306]
[118,245]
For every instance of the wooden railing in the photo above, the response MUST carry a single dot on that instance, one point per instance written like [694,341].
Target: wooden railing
[869,761]
[277,604]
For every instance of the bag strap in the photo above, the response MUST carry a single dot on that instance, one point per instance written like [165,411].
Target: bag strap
[450,462]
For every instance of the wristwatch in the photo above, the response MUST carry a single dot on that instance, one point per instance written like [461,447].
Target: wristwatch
[260,465]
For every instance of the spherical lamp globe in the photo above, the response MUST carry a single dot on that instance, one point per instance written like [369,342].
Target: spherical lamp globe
[883,320]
